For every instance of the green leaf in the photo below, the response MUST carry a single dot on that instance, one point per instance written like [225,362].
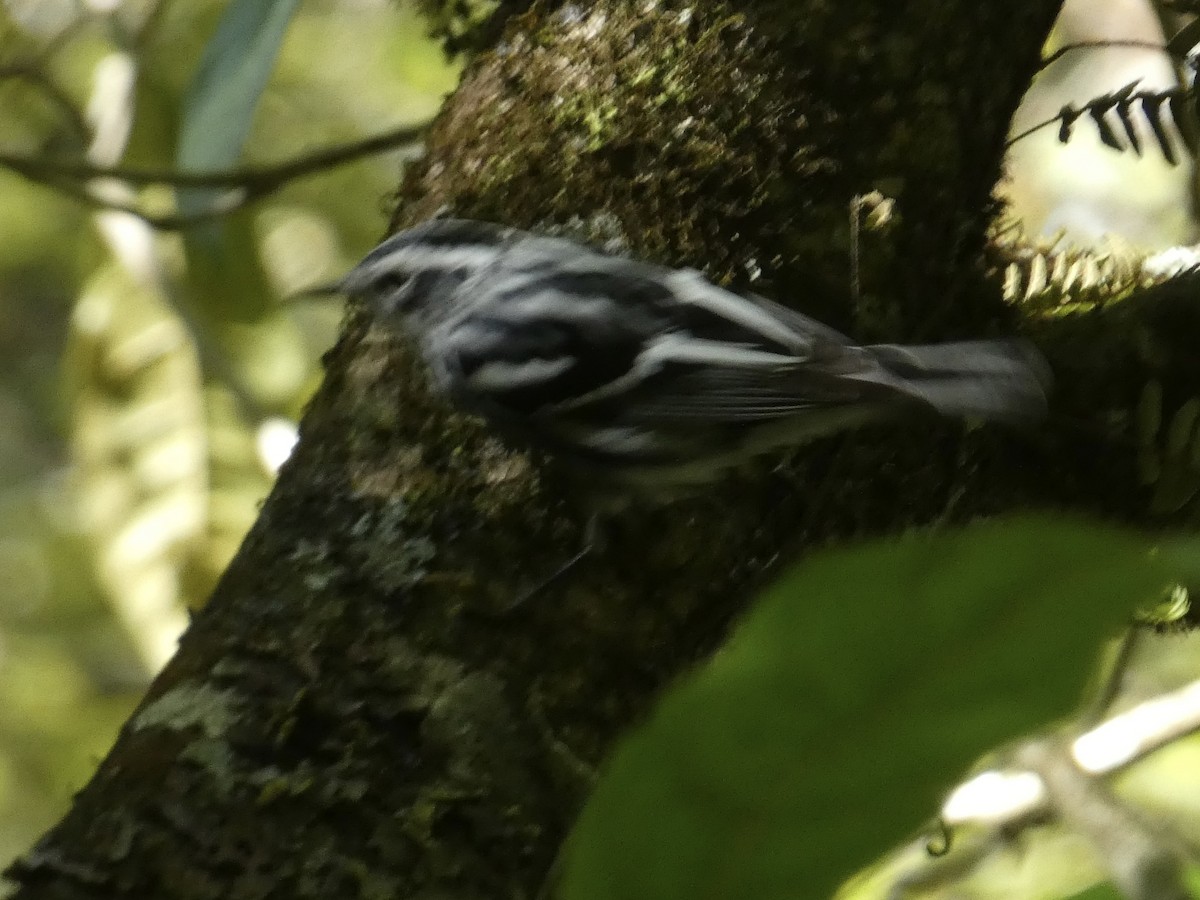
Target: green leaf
[1191,877]
[219,109]
[237,61]
[1103,891]
[228,294]
[848,701]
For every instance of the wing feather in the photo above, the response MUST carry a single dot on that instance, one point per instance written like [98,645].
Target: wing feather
[747,395]
[565,330]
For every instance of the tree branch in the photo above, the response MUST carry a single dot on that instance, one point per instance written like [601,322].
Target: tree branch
[244,186]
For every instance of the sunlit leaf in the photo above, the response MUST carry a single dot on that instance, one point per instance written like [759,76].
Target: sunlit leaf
[138,445]
[167,475]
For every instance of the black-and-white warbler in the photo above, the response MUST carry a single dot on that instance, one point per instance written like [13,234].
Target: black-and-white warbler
[655,377]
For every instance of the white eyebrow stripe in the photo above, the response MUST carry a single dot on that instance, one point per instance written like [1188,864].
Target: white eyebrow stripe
[693,288]
[502,375]
[411,258]
[678,347]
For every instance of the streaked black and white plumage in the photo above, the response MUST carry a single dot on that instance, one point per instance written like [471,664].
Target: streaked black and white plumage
[652,376]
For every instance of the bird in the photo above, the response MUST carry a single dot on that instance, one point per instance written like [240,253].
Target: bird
[650,379]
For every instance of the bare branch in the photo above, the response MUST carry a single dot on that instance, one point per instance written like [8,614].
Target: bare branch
[242,186]
[1005,796]
[255,180]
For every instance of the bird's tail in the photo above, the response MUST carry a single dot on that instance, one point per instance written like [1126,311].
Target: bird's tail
[1006,381]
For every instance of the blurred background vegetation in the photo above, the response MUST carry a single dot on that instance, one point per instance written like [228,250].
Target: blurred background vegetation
[151,379]
[150,386]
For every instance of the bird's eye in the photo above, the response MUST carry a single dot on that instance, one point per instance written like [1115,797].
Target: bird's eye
[389,282]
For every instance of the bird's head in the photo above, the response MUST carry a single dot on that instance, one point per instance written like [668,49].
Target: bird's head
[416,269]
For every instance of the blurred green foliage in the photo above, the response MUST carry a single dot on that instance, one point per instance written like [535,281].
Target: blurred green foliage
[149,384]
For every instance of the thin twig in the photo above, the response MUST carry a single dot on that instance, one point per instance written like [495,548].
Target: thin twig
[255,180]
[241,186]
[1142,729]
[1033,129]
[222,206]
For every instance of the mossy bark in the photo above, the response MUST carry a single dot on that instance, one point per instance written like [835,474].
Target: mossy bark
[354,713]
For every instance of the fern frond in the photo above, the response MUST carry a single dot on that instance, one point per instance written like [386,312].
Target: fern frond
[1161,112]
[1049,275]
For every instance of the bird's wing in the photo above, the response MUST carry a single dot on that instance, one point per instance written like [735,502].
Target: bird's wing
[749,318]
[541,340]
[561,330]
[735,358]
[681,393]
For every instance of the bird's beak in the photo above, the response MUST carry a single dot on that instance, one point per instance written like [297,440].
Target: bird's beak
[318,291]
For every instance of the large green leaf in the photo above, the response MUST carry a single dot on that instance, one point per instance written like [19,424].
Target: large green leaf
[851,697]
[237,61]
[227,305]
[218,111]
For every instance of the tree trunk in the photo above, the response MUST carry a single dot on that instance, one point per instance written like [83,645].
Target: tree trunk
[355,713]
